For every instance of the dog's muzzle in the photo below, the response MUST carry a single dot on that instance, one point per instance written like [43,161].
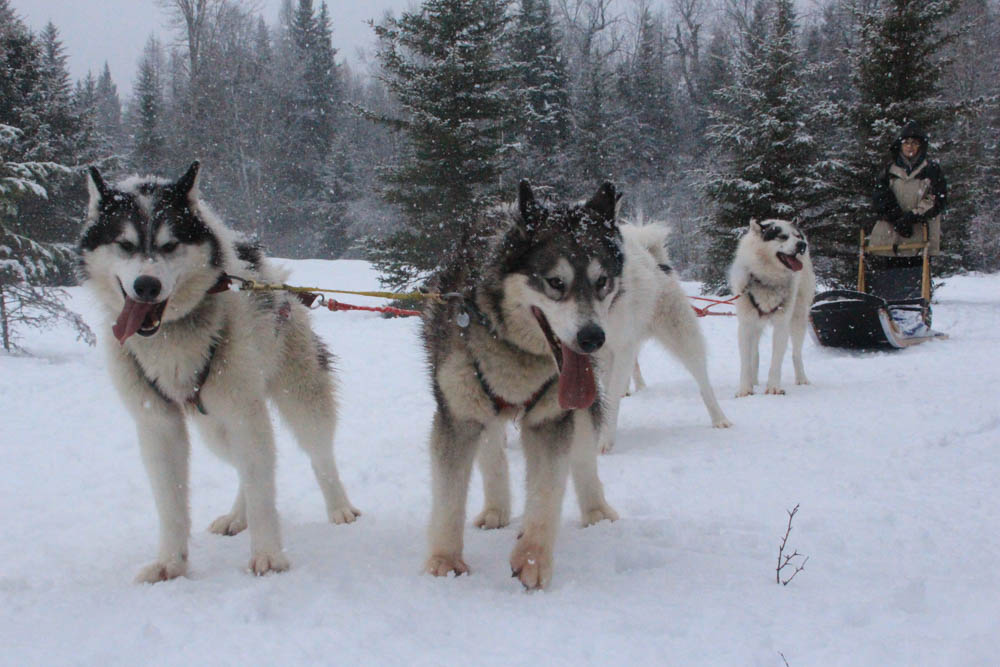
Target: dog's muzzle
[142,315]
[577,382]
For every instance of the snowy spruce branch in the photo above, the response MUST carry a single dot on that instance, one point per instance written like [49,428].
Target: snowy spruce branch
[786,560]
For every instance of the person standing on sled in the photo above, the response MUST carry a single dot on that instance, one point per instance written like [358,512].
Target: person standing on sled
[910,193]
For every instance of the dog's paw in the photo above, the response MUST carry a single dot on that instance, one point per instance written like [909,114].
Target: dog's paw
[775,391]
[802,380]
[262,563]
[605,447]
[602,513]
[721,423]
[161,571]
[346,514]
[441,566]
[229,524]
[491,518]
[532,564]
[744,392]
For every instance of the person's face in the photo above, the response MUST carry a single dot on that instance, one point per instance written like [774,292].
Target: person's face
[910,147]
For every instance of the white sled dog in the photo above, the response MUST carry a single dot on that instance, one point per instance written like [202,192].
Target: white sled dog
[184,347]
[651,304]
[773,275]
[518,341]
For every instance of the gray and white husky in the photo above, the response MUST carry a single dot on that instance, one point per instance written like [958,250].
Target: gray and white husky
[184,347]
[517,340]
[773,275]
[651,305]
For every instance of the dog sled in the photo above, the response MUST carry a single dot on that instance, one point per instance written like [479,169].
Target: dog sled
[888,315]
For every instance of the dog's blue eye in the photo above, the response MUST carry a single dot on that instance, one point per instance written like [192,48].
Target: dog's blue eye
[127,246]
[168,248]
[556,284]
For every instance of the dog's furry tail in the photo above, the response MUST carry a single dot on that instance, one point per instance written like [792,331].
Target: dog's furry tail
[652,235]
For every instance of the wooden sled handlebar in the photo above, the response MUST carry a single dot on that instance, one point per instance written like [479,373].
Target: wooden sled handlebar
[925,274]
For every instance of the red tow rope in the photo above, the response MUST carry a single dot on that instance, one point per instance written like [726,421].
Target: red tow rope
[337,305]
[702,312]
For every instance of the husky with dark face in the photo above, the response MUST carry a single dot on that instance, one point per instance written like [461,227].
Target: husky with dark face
[184,347]
[773,275]
[519,342]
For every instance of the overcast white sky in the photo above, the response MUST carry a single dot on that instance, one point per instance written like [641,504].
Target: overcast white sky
[95,31]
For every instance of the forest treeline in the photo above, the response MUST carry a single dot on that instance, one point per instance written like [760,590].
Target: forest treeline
[705,112]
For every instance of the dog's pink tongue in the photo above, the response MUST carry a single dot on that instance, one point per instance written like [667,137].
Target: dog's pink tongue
[130,319]
[577,385]
[794,263]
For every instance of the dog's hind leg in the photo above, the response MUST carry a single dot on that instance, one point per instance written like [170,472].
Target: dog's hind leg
[165,448]
[235,522]
[310,411]
[496,476]
[748,334]
[779,344]
[637,379]
[800,319]
[546,453]
[616,378]
[589,490]
[453,450]
[679,333]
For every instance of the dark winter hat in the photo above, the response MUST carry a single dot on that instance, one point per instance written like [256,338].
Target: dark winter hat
[911,131]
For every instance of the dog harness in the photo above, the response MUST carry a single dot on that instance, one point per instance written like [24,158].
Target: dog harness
[753,301]
[499,404]
[194,400]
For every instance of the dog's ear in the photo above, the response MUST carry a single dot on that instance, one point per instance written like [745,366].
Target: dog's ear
[604,202]
[96,186]
[187,185]
[756,227]
[530,209]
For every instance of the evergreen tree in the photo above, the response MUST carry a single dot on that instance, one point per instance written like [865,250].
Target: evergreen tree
[647,95]
[108,108]
[445,65]
[897,73]
[149,151]
[28,268]
[597,149]
[307,87]
[544,85]
[768,163]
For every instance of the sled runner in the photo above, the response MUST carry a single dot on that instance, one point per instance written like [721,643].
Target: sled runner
[893,316]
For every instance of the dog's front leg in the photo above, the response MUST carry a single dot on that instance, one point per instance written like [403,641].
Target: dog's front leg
[165,448]
[583,456]
[749,340]
[453,450]
[546,453]
[779,344]
[252,443]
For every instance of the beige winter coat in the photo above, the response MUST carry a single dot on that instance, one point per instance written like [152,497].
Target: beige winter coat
[915,193]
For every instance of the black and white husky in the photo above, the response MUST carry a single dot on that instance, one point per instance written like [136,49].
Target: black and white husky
[183,347]
[518,339]
[651,305]
[773,275]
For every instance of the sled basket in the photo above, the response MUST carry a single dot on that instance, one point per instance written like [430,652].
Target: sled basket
[855,320]
[859,320]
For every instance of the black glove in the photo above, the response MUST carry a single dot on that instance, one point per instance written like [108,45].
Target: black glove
[904,224]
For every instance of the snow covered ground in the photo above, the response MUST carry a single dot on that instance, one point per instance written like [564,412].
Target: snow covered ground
[893,459]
